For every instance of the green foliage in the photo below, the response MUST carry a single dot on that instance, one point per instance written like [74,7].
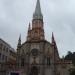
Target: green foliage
[70,56]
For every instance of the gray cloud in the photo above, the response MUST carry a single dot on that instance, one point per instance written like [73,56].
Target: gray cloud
[59,16]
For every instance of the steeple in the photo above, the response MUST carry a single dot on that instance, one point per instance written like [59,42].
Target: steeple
[29,27]
[53,40]
[56,54]
[37,14]
[19,42]
[29,33]
[36,31]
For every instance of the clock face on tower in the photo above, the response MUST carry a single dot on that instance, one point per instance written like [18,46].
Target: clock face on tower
[34,52]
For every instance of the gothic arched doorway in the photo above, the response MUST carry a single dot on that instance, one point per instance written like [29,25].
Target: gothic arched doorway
[34,71]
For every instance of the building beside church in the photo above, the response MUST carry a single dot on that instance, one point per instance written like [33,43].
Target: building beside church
[37,56]
[7,56]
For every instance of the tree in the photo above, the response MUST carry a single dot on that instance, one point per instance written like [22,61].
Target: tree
[68,56]
[71,56]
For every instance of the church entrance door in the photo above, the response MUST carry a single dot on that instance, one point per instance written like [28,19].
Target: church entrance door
[34,70]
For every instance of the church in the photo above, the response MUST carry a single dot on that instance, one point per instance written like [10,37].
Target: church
[37,56]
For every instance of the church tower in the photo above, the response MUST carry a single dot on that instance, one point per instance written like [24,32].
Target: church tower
[37,56]
[37,31]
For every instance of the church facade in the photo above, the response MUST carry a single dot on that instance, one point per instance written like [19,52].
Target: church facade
[37,56]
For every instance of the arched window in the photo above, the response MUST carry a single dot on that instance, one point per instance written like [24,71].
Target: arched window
[48,61]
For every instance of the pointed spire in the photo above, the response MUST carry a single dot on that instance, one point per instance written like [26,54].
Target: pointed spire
[53,40]
[52,37]
[19,41]
[37,14]
[29,33]
[29,27]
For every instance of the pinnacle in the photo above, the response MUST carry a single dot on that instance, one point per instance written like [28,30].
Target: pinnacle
[37,14]
[53,40]
[29,27]
[19,41]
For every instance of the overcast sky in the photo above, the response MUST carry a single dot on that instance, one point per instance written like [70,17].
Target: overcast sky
[59,17]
